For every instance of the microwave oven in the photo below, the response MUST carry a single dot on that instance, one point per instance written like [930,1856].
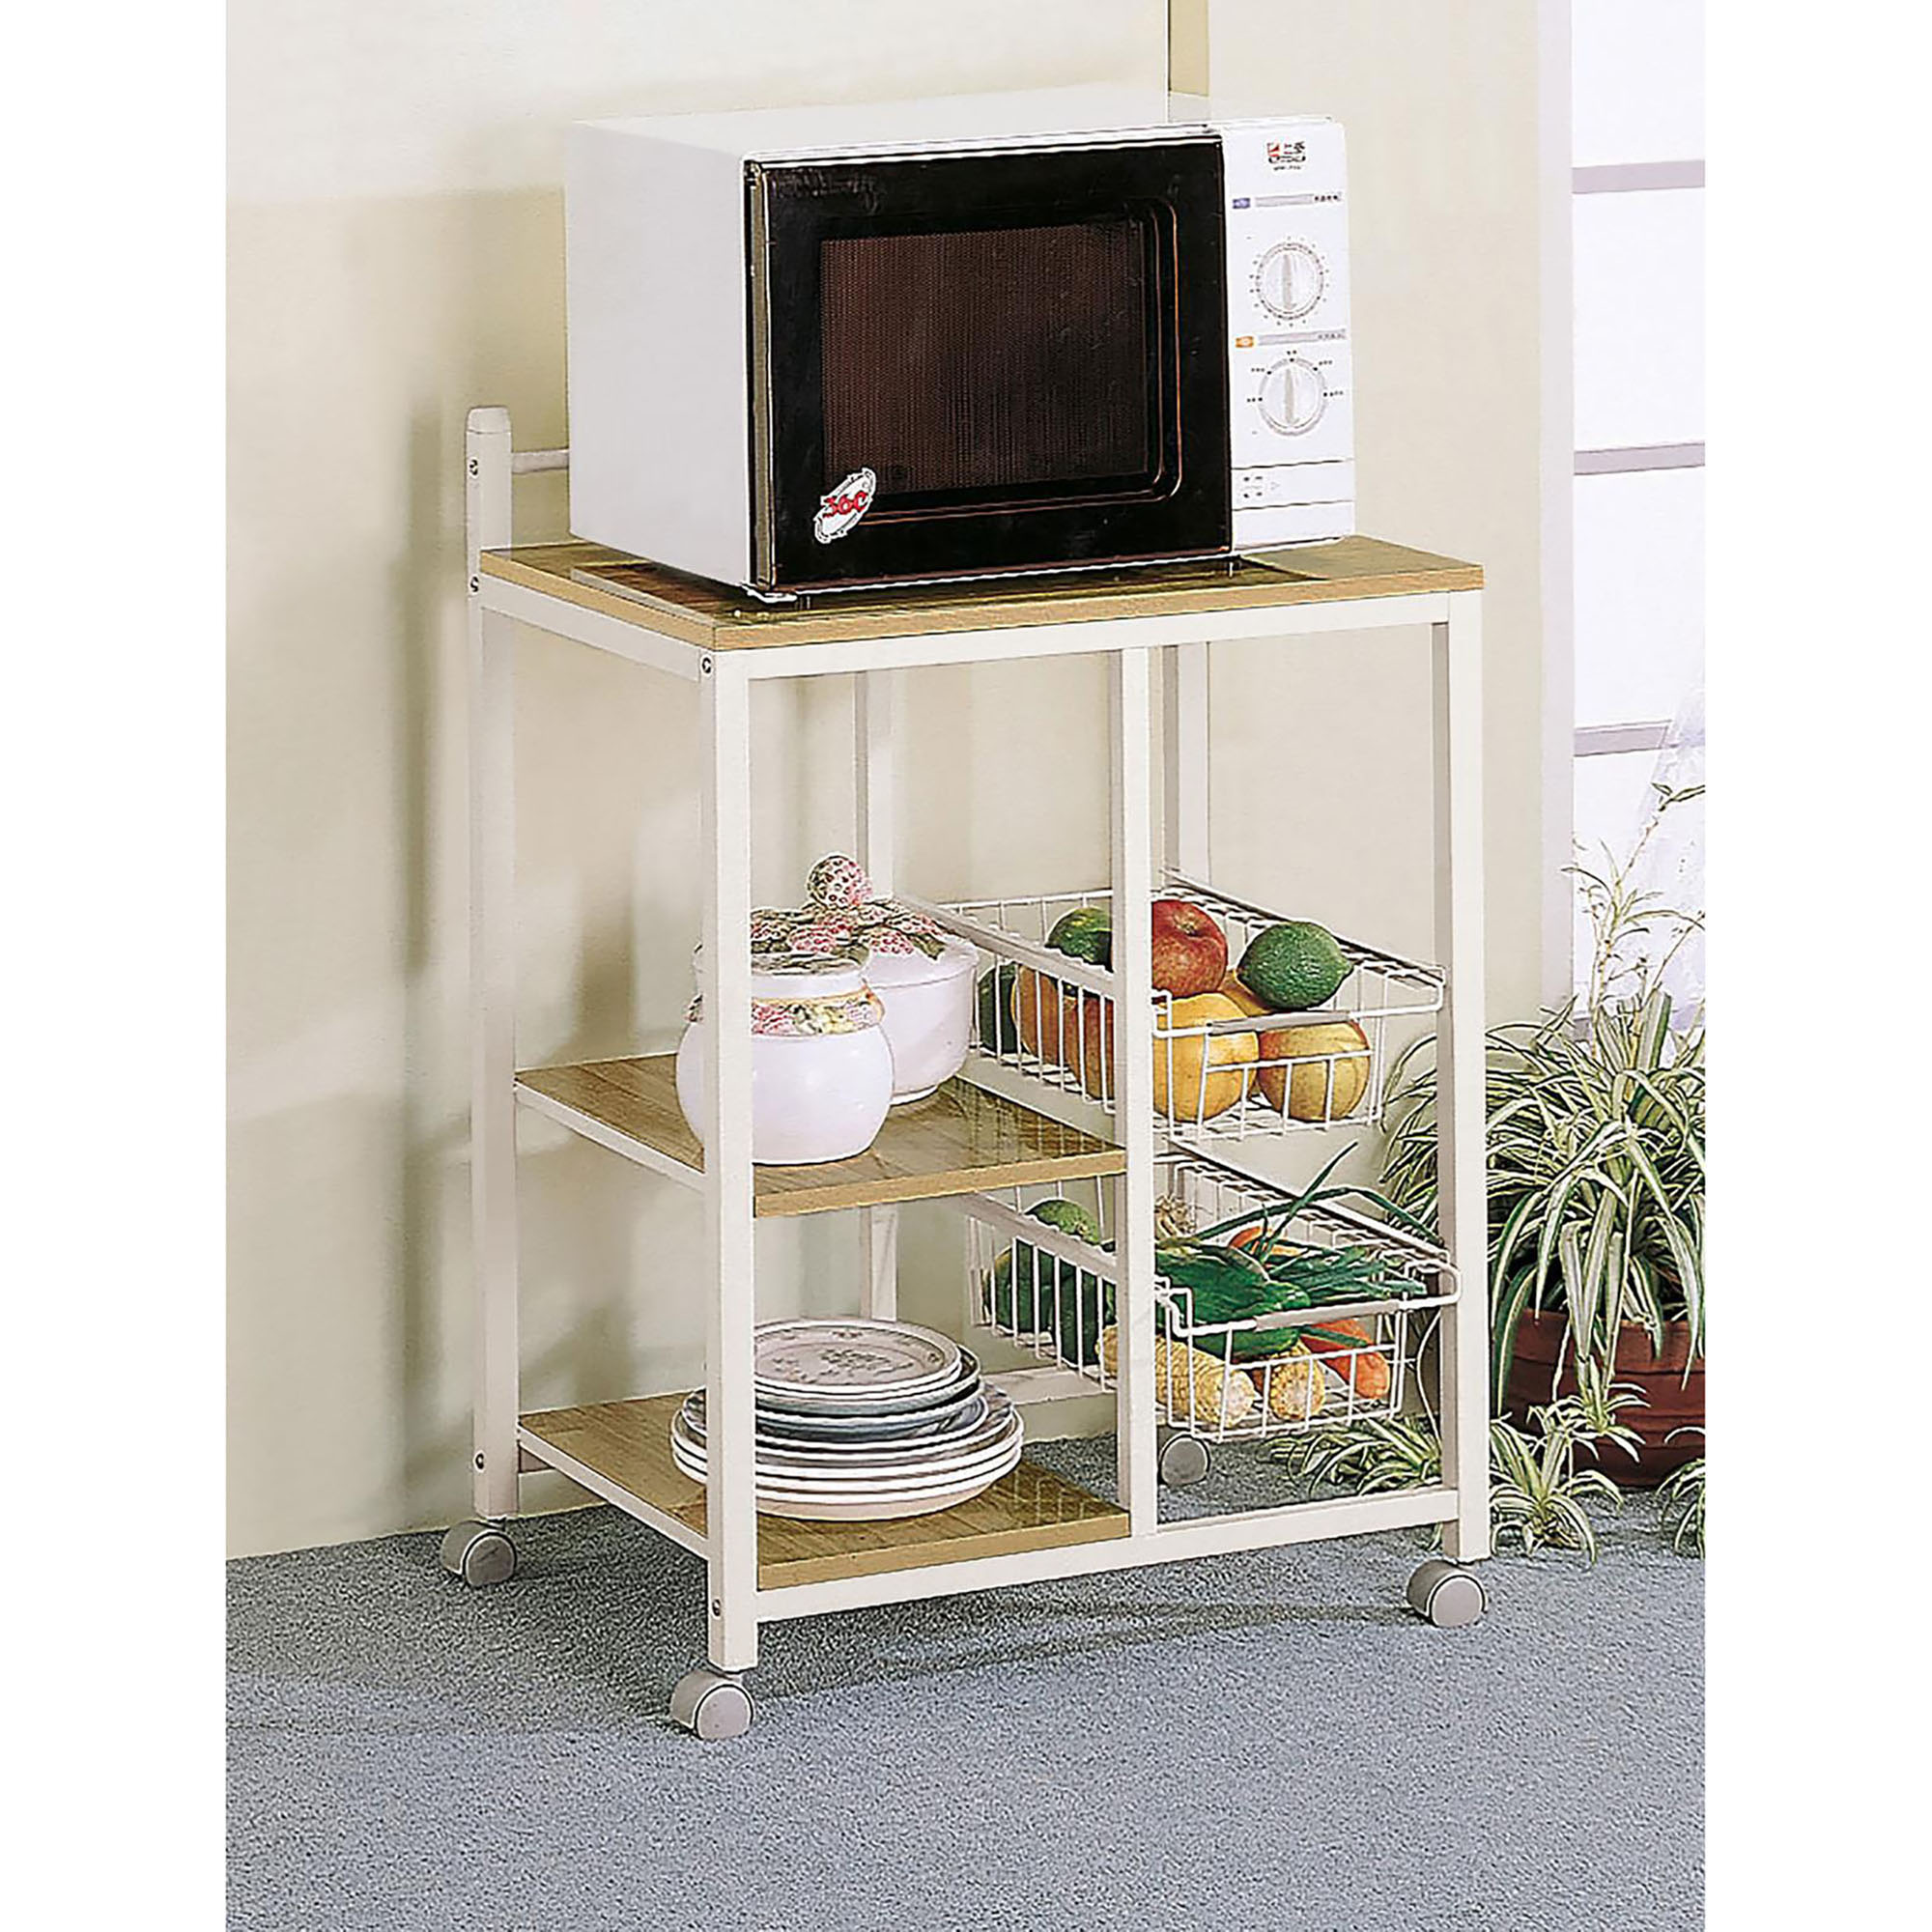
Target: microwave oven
[826,348]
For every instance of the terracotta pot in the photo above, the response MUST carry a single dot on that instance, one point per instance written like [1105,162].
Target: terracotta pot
[1674,1403]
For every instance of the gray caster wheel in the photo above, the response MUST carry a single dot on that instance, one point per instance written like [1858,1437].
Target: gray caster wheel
[1184,1459]
[481,1553]
[711,1704]
[1449,1597]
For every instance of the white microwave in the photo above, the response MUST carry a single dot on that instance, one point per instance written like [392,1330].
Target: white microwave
[826,348]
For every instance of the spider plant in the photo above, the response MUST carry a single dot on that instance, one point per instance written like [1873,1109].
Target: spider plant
[1536,1490]
[1595,1140]
[1537,1494]
[1397,1452]
[1599,1405]
[1681,1498]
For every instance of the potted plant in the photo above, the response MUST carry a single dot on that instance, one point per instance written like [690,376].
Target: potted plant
[1596,1176]
[1538,1493]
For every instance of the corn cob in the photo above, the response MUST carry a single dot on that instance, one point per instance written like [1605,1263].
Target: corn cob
[1191,1386]
[1294,1387]
[1173,1219]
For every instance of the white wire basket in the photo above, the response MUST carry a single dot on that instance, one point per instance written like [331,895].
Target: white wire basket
[1051,1018]
[1274,1376]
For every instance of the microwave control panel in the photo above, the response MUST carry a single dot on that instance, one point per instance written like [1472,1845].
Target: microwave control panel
[1292,412]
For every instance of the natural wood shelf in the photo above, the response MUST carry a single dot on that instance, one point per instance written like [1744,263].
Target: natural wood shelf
[958,1141]
[629,1445]
[714,618]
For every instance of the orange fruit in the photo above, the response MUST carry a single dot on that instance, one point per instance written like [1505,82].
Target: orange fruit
[1037,1014]
[1330,1078]
[1198,1075]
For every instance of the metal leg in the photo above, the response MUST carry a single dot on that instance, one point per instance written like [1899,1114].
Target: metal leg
[875,701]
[875,705]
[879,1262]
[492,1123]
[1186,813]
[1129,690]
[730,1497]
[1457,646]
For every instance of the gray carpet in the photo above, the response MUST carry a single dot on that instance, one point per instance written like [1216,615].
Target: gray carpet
[1259,1741]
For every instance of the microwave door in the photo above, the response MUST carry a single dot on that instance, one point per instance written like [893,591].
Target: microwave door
[988,362]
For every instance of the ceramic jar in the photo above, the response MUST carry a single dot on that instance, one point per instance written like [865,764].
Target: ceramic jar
[821,1067]
[924,976]
[928,1006]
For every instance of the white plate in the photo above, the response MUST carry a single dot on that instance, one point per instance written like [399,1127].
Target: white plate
[843,1403]
[868,1360]
[825,1509]
[940,1417]
[992,1427]
[882,1474]
[879,1483]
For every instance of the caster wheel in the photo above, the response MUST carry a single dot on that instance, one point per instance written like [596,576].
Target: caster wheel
[1183,1460]
[1447,1596]
[710,1704]
[481,1553]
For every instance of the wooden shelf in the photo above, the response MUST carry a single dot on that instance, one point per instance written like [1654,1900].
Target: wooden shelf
[628,1444]
[714,618]
[958,1141]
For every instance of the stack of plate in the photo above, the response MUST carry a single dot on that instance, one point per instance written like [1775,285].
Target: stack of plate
[865,1421]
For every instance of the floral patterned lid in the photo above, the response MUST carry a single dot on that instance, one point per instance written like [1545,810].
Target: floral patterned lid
[803,995]
[844,919]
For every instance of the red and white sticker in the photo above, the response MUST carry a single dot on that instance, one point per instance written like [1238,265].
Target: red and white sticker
[842,506]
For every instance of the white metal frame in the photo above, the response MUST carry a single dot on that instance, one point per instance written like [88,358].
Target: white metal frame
[737,1605]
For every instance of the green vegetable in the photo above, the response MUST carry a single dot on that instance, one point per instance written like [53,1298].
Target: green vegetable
[998,1031]
[1069,1217]
[1035,1293]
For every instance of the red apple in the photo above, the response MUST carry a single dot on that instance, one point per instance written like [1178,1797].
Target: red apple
[1190,951]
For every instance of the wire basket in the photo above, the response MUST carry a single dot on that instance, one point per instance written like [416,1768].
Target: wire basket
[1051,1018]
[1279,1374]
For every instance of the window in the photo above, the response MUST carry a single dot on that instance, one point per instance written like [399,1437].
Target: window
[1638,175]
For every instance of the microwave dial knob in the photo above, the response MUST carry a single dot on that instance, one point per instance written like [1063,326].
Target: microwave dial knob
[1290,279]
[1293,396]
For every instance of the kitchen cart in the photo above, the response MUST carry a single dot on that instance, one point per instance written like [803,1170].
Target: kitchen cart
[1024,1121]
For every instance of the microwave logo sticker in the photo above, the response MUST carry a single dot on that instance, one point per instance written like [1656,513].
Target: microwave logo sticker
[1286,153]
[842,506]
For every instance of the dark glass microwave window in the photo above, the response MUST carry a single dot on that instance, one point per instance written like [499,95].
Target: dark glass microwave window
[990,362]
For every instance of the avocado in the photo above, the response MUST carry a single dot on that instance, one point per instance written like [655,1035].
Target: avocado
[1087,932]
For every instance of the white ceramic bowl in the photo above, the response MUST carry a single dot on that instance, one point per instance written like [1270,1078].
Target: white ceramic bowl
[928,1015]
[819,1097]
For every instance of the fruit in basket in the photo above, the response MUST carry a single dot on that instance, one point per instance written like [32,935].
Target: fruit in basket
[999,1032]
[1197,1075]
[1329,1078]
[1044,1016]
[1189,1386]
[1087,932]
[1094,1054]
[1347,1346]
[1231,988]
[1190,950]
[1294,966]
[1293,1390]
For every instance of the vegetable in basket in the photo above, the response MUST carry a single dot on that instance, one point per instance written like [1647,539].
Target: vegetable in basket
[1360,1364]
[1035,1293]
[1189,1384]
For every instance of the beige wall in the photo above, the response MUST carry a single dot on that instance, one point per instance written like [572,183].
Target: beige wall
[1439,101]
[395,250]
